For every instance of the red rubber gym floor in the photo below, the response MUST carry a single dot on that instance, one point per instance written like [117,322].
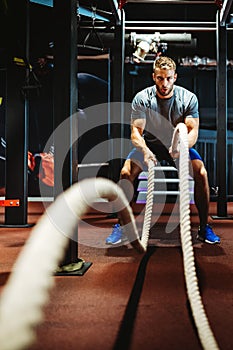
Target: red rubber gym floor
[130,301]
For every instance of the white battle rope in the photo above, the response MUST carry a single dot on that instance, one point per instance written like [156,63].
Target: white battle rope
[180,143]
[27,289]
[149,205]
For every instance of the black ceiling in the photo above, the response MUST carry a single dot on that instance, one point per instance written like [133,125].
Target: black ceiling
[201,10]
[147,13]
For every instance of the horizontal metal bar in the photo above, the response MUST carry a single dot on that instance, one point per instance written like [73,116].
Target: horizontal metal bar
[170,25]
[175,2]
[166,180]
[91,165]
[162,192]
[143,183]
[36,199]
[159,29]
[41,199]
[160,168]
[172,22]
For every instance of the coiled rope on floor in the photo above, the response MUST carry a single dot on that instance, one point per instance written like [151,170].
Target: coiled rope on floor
[180,141]
[28,286]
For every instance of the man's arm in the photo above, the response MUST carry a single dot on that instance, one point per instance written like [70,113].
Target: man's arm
[137,127]
[193,128]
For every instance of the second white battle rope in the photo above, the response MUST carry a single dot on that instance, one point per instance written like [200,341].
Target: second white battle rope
[180,143]
[149,206]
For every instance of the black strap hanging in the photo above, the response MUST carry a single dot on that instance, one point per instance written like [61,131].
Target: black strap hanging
[93,34]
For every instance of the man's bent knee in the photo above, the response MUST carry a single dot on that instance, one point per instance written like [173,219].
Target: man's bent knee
[199,169]
[125,172]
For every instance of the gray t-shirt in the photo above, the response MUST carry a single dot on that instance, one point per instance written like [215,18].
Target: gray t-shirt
[162,115]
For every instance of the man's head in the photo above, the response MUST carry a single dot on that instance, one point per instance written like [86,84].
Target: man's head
[164,76]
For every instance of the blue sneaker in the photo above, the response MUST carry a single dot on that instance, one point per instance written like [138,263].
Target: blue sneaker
[207,235]
[116,236]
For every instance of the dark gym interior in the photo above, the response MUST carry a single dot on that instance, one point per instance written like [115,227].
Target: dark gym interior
[69,70]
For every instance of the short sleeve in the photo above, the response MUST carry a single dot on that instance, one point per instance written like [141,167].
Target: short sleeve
[138,110]
[192,107]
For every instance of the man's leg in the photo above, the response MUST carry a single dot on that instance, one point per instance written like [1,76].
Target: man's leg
[202,197]
[129,172]
[201,190]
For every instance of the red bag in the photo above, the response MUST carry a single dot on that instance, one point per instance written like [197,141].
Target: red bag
[46,173]
[46,169]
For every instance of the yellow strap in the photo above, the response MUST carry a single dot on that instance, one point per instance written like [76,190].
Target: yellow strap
[20,62]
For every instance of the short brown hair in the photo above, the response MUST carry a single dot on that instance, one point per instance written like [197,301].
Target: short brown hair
[164,62]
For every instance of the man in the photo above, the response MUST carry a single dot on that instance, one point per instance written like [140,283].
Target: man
[156,110]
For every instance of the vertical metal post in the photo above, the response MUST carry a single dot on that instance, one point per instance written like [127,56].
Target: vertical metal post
[65,89]
[117,90]
[65,107]
[221,116]
[17,112]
